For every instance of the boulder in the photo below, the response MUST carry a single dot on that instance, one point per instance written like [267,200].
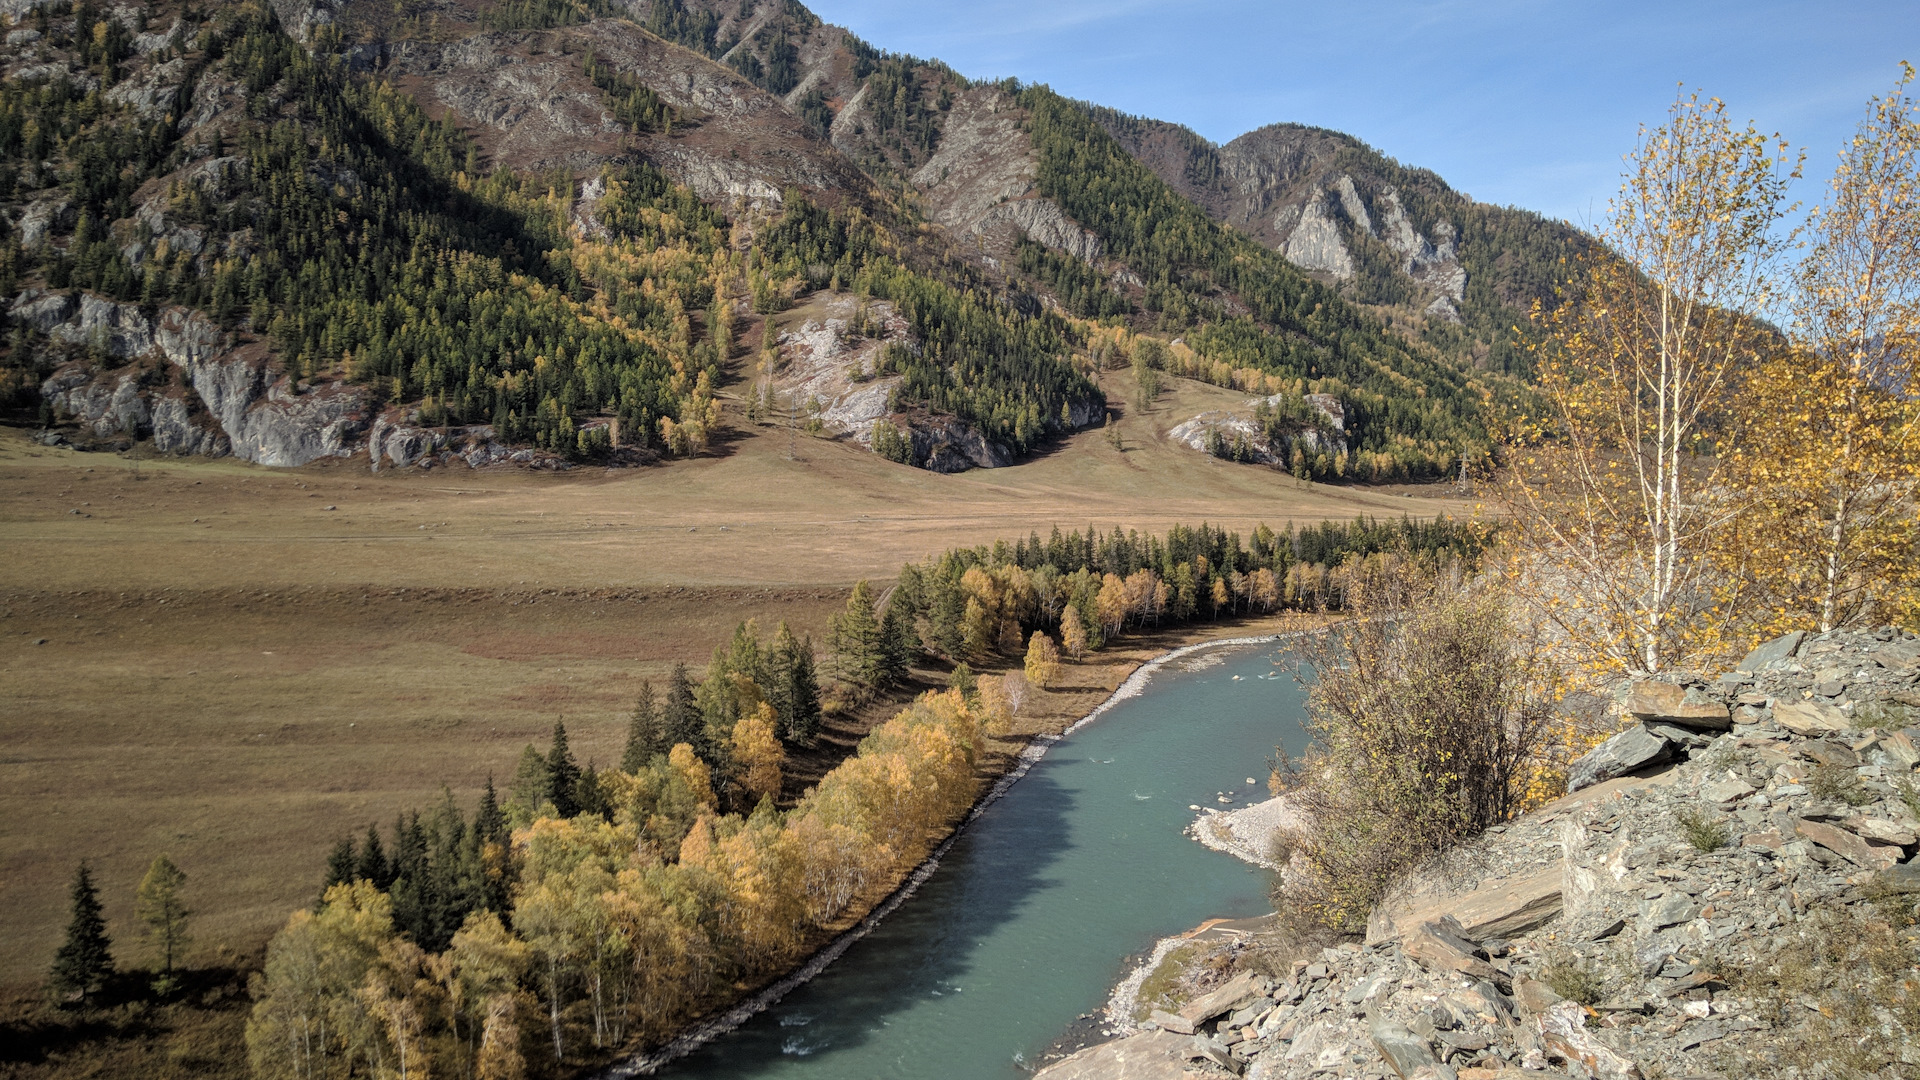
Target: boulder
[1780,648]
[1880,830]
[1177,1024]
[1809,718]
[1534,996]
[1202,1048]
[1900,747]
[1665,702]
[1901,656]
[1502,909]
[1404,1052]
[1439,946]
[1152,1055]
[1224,999]
[1632,749]
[1564,1030]
[1848,846]
[1901,877]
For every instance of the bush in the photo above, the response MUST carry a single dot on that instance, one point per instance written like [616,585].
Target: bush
[1704,831]
[1838,783]
[1430,719]
[1573,978]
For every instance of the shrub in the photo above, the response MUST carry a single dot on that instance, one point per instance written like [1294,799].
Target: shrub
[1573,978]
[1429,718]
[1704,831]
[1838,783]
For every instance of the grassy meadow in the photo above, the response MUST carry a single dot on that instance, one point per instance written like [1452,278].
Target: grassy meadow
[238,665]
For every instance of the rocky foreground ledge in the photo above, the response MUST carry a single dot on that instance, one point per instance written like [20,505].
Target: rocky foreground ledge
[1725,893]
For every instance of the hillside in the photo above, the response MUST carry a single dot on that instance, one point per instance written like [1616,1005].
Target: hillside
[1456,272]
[547,232]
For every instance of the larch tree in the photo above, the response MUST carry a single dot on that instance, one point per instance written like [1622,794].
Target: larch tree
[161,910]
[1831,447]
[1043,660]
[1073,632]
[85,960]
[1618,495]
[757,756]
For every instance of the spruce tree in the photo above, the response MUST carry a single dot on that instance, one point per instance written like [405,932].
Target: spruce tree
[85,960]
[489,824]
[590,795]
[645,737]
[803,697]
[899,641]
[680,719]
[563,776]
[373,864]
[340,865]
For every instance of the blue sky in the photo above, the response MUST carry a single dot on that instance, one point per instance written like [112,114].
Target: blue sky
[1525,102]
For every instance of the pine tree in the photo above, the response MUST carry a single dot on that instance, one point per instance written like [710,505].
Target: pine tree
[85,960]
[563,776]
[899,638]
[645,737]
[158,905]
[680,718]
[962,679]
[592,798]
[856,639]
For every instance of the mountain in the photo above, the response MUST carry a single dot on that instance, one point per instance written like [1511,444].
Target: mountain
[544,231]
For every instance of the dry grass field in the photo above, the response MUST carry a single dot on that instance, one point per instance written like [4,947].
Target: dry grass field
[238,665]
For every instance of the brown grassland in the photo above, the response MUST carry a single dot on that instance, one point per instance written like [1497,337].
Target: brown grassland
[238,665]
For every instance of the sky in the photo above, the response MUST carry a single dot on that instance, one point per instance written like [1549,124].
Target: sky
[1528,103]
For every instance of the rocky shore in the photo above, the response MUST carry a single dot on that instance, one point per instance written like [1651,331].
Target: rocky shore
[1729,890]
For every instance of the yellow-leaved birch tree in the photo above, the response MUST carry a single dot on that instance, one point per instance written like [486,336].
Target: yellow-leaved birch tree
[1616,494]
[1830,445]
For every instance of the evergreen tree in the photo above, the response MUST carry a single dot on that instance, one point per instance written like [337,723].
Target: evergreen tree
[489,824]
[563,776]
[591,796]
[962,679]
[900,641]
[340,865]
[528,792]
[803,696]
[856,639]
[680,718]
[159,907]
[85,959]
[646,737]
[373,865]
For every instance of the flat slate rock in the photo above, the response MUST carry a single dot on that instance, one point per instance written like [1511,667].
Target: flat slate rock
[1664,702]
[1780,648]
[1152,1055]
[1810,718]
[1506,909]
[1631,750]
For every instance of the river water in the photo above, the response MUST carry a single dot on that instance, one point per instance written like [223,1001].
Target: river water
[1031,916]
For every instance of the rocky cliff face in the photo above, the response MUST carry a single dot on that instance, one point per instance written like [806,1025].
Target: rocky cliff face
[1731,892]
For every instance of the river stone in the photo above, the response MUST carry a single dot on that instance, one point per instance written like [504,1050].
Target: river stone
[1687,707]
[1780,648]
[1153,1055]
[1634,748]
[1809,718]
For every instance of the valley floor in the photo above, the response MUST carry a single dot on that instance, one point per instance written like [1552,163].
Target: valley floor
[239,665]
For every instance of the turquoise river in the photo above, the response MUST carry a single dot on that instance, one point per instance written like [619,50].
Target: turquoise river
[1031,917]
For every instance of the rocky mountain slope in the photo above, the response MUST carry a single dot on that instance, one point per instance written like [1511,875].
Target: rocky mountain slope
[1459,272]
[334,200]
[1730,891]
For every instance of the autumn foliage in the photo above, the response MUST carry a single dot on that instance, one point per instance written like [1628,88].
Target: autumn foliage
[623,924]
